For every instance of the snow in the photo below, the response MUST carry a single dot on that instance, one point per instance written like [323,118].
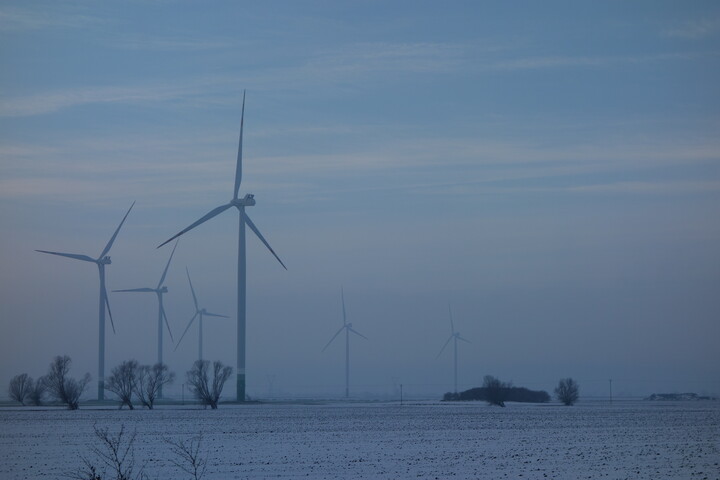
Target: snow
[625,440]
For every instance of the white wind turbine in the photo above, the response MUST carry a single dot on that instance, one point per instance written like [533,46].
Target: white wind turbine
[455,336]
[348,328]
[240,203]
[199,314]
[159,291]
[101,262]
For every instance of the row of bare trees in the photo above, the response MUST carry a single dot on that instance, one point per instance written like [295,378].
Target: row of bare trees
[57,385]
[496,392]
[127,380]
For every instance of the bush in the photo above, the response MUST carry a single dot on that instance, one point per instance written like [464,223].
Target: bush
[200,385]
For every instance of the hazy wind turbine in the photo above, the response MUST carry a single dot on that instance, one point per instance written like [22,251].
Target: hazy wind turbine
[453,336]
[240,203]
[159,291]
[101,262]
[348,328]
[199,313]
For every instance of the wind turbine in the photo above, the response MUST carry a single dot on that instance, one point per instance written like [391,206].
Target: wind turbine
[348,328]
[240,203]
[453,336]
[199,312]
[101,262]
[159,291]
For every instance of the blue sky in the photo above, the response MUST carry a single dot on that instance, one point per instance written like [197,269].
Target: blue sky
[551,169]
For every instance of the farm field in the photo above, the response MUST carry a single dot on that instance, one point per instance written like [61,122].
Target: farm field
[592,440]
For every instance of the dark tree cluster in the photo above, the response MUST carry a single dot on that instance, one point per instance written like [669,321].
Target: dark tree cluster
[497,392]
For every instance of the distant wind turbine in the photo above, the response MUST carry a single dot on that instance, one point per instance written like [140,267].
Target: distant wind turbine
[199,313]
[348,328]
[240,203]
[101,262]
[455,336]
[159,291]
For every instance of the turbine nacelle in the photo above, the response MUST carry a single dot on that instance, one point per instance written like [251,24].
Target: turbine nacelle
[104,260]
[247,201]
[164,289]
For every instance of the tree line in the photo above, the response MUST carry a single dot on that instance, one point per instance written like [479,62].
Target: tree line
[496,392]
[128,381]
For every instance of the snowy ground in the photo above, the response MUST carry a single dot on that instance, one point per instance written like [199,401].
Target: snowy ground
[626,440]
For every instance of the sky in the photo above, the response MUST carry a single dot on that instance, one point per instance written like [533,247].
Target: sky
[549,170]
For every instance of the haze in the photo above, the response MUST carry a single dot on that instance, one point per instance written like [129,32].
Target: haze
[551,170]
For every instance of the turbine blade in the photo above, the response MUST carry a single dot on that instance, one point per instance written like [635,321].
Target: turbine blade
[238,167]
[443,348]
[70,255]
[342,296]
[112,239]
[333,338]
[463,339]
[212,213]
[162,279]
[357,333]
[186,329]
[162,309]
[135,290]
[208,314]
[192,290]
[262,239]
[107,304]
[452,325]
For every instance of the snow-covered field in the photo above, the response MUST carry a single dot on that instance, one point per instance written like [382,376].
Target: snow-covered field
[625,440]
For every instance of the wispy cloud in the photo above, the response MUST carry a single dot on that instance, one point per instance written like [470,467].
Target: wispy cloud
[19,19]
[696,29]
[171,43]
[538,62]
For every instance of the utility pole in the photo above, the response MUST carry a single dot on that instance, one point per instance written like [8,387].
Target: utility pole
[401,398]
[610,391]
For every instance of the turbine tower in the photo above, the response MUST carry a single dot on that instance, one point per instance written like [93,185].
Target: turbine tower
[240,203]
[348,328]
[101,262]
[455,336]
[159,291]
[199,314]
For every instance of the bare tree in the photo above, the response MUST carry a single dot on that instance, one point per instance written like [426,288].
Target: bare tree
[20,387]
[122,381]
[189,459]
[37,393]
[149,381]
[200,385]
[496,390]
[63,388]
[567,391]
[114,454]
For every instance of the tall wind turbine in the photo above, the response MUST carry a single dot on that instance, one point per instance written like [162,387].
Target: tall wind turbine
[240,203]
[199,314]
[101,262]
[455,336]
[159,291]
[348,328]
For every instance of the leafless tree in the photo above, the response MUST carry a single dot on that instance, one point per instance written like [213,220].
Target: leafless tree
[200,385]
[567,391]
[37,393]
[63,388]
[189,458]
[113,457]
[20,387]
[149,381]
[496,390]
[122,381]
